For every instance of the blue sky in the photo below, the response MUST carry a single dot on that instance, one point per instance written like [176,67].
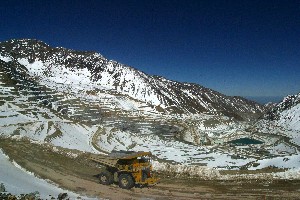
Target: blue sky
[245,48]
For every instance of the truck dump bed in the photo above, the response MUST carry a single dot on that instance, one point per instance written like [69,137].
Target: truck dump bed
[104,159]
[112,158]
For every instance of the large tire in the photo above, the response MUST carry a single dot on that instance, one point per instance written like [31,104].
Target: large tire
[106,178]
[126,181]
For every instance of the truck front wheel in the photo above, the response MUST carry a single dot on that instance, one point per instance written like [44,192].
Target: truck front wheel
[126,181]
[106,178]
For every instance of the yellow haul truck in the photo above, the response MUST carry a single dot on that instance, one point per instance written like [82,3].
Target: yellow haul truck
[125,167]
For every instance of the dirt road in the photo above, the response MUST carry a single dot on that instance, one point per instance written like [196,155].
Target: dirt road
[76,174]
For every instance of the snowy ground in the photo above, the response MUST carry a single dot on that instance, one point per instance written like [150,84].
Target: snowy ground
[143,137]
[18,181]
[219,157]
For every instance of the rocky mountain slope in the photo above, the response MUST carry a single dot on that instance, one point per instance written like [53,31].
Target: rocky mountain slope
[88,72]
[82,101]
[284,119]
[288,110]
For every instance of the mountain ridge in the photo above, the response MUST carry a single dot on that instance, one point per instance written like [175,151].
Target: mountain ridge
[289,103]
[91,70]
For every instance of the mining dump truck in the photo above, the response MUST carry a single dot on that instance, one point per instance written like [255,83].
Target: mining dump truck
[126,168]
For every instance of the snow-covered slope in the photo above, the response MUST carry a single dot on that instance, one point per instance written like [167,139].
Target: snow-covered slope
[80,100]
[18,181]
[88,72]
[287,112]
[284,119]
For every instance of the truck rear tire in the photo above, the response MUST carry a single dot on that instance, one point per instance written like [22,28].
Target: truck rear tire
[126,181]
[106,178]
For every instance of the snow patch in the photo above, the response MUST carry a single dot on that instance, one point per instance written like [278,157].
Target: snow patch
[19,181]
[5,58]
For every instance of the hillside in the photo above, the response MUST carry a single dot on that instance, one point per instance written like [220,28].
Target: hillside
[284,119]
[82,101]
[88,72]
